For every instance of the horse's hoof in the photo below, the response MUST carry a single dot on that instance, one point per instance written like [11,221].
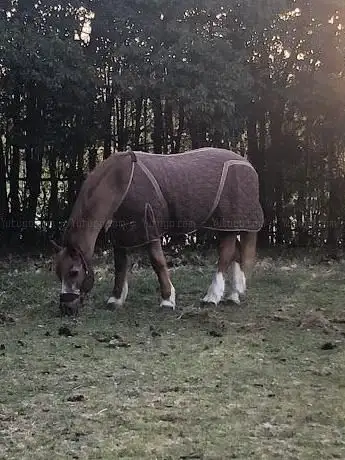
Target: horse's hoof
[167,304]
[235,298]
[208,304]
[114,303]
[211,299]
[171,301]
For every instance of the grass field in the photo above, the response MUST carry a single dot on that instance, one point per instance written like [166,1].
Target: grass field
[265,380]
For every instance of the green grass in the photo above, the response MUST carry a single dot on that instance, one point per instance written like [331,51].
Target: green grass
[209,383]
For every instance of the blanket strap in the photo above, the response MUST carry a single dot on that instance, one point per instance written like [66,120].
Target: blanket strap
[132,154]
[154,182]
[226,167]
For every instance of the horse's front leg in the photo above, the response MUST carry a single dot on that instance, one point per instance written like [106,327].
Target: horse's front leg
[120,289]
[159,265]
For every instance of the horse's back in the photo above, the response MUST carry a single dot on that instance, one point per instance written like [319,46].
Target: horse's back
[189,159]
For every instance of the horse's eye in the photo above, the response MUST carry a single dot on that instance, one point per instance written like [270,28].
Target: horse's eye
[73,273]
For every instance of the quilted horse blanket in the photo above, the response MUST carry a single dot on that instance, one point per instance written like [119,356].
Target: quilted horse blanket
[208,188]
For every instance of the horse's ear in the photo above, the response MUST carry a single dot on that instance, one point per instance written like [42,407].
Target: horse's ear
[56,246]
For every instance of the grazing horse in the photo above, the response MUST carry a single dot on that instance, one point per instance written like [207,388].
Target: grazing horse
[140,197]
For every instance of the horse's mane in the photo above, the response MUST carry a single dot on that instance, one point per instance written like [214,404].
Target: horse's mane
[94,202]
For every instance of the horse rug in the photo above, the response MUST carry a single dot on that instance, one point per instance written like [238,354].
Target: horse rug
[208,188]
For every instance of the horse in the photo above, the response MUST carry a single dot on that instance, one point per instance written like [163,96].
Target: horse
[138,197]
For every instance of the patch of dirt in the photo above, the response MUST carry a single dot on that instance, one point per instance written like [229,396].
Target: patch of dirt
[113,341]
[191,456]
[76,398]
[215,327]
[316,320]
[200,315]
[287,268]
[215,333]
[118,342]
[265,263]
[250,327]
[338,320]
[66,331]
[5,318]
[107,338]
[328,346]
[280,317]
[155,332]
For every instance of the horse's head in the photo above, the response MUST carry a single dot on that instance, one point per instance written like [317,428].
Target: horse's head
[76,276]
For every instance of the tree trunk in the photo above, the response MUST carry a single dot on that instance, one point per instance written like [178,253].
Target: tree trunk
[169,128]
[92,158]
[180,128]
[256,155]
[217,139]
[79,147]
[33,182]
[120,117]
[72,180]
[3,191]
[138,110]
[303,238]
[13,154]
[53,204]
[33,159]
[145,125]
[334,205]
[279,208]
[197,131]
[107,121]
[335,191]
[277,149]
[157,134]
[14,183]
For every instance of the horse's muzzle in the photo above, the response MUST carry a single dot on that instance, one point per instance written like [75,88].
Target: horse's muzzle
[69,304]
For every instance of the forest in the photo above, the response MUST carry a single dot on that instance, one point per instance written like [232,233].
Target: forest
[82,79]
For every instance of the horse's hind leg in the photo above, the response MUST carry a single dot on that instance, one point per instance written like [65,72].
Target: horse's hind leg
[226,251]
[120,289]
[242,265]
[160,267]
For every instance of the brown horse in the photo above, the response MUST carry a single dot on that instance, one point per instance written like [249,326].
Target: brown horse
[140,197]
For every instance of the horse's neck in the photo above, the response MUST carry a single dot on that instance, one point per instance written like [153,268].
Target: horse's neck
[83,239]
[90,215]
[82,230]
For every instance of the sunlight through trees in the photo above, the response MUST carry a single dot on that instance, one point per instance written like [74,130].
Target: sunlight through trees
[83,79]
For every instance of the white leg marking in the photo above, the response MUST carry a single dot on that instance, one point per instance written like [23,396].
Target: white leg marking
[238,283]
[120,301]
[235,297]
[216,290]
[65,289]
[171,302]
